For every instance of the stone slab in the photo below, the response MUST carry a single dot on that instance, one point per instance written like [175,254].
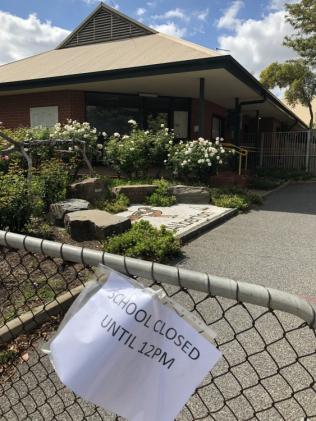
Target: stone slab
[58,210]
[135,193]
[190,194]
[91,189]
[95,225]
[186,220]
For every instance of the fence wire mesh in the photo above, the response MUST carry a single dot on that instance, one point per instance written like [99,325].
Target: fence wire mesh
[267,372]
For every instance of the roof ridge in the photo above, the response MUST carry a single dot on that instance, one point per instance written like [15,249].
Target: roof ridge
[140,28]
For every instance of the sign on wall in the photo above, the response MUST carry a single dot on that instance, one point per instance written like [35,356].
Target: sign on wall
[44,116]
[127,352]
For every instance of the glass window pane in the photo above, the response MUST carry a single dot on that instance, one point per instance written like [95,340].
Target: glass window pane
[111,120]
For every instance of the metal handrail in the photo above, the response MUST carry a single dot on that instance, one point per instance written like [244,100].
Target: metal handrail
[242,152]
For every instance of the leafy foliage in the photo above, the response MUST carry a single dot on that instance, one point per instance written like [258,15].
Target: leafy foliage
[16,199]
[299,80]
[284,174]
[144,241]
[133,154]
[234,197]
[263,183]
[54,177]
[37,227]
[161,196]
[119,204]
[302,16]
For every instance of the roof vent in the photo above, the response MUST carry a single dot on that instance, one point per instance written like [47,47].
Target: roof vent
[103,25]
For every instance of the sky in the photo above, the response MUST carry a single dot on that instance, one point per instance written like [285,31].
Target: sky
[251,31]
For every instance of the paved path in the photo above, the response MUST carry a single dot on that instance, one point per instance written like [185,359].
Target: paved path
[274,245]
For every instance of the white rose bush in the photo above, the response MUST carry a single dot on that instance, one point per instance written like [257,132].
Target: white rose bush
[74,130]
[196,158]
[135,153]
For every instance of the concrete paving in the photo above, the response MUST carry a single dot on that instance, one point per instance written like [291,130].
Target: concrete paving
[273,245]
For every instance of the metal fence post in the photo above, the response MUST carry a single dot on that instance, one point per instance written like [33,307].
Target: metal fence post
[261,150]
[308,148]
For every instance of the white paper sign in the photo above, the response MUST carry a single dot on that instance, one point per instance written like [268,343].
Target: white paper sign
[128,353]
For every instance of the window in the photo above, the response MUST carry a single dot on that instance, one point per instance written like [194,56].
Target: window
[110,112]
[181,124]
[43,116]
[217,127]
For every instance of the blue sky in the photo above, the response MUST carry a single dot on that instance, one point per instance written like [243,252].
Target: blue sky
[252,30]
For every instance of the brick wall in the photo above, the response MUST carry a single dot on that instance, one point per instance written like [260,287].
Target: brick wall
[15,109]
[210,110]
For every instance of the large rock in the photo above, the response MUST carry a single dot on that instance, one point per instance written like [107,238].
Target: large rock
[190,194]
[137,193]
[91,189]
[94,225]
[57,211]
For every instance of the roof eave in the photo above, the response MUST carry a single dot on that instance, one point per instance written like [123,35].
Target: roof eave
[225,62]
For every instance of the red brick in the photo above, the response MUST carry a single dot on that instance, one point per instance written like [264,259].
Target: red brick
[15,109]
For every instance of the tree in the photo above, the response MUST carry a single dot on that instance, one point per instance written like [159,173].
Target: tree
[298,79]
[302,16]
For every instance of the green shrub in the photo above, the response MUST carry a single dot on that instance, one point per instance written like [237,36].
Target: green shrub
[133,154]
[255,199]
[263,183]
[284,174]
[37,227]
[144,241]
[161,196]
[116,205]
[18,199]
[231,201]
[54,177]
[234,197]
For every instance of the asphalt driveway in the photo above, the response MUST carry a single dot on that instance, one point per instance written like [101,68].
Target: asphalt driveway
[273,245]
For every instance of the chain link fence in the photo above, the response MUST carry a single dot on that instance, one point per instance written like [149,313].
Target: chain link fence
[267,338]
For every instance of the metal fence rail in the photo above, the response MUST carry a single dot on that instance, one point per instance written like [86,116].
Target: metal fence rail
[289,150]
[267,337]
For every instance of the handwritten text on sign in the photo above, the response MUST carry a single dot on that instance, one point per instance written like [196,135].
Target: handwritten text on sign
[128,353]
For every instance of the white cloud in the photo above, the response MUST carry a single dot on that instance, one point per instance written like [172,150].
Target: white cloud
[171,28]
[202,14]
[279,4]
[20,38]
[140,11]
[109,2]
[257,43]
[229,19]
[173,14]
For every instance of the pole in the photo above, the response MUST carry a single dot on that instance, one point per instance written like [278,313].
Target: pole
[308,150]
[202,108]
[261,150]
